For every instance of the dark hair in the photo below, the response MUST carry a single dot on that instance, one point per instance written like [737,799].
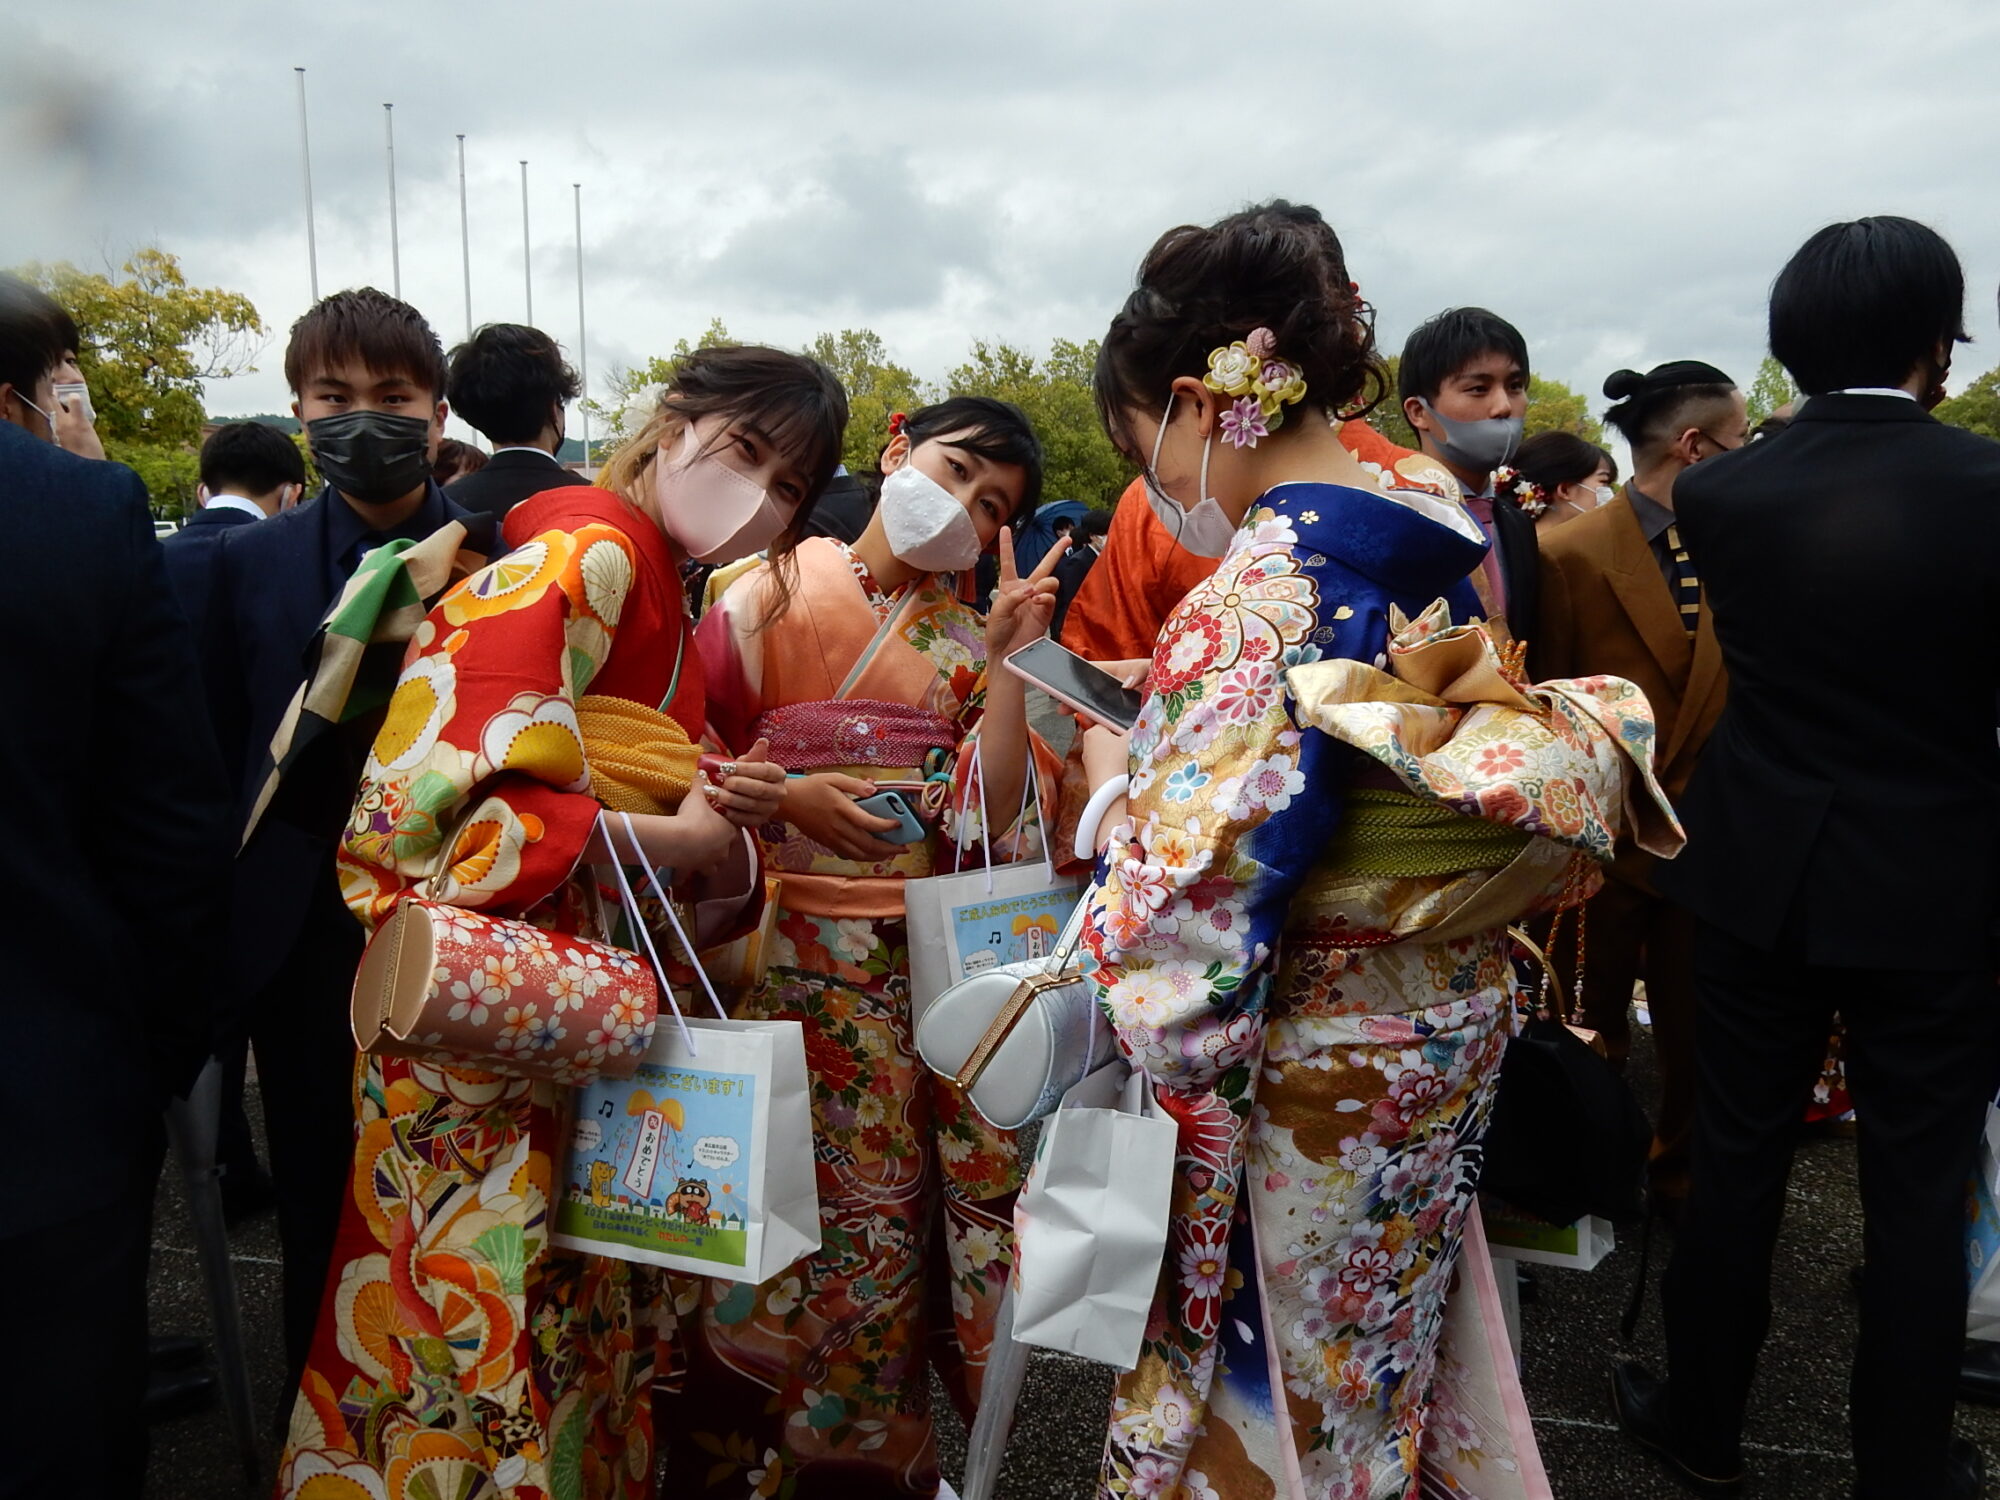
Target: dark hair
[1655,408]
[1095,525]
[386,336]
[251,459]
[1860,304]
[793,400]
[1549,459]
[1770,427]
[1278,266]
[507,379]
[997,431]
[456,459]
[31,335]
[1438,348]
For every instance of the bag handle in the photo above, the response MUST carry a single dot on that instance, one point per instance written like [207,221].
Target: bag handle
[673,917]
[1032,780]
[645,933]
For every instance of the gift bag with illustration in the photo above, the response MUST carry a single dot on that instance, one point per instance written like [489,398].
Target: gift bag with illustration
[702,1160]
[1090,1227]
[1004,914]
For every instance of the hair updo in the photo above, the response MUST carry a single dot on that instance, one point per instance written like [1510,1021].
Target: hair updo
[1655,407]
[1277,266]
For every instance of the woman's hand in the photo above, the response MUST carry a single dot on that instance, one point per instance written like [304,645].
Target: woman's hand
[690,841]
[822,807]
[1107,753]
[1022,607]
[752,787]
[1131,673]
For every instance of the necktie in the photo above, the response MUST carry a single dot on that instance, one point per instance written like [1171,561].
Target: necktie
[1488,582]
[1687,587]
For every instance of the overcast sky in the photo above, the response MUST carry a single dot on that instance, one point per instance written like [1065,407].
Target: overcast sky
[1620,180]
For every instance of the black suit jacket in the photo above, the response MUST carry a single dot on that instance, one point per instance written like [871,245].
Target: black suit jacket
[272,587]
[506,480]
[116,856]
[1847,807]
[191,554]
[1520,569]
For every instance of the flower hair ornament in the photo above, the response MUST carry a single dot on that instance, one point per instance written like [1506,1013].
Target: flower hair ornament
[897,422]
[1523,491]
[1262,384]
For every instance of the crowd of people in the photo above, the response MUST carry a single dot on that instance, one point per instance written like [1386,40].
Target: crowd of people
[1402,709]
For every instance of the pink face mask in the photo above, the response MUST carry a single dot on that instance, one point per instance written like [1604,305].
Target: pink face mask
[715,513]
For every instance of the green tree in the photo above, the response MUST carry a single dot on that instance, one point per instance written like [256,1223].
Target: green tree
[1976,408]
[635,390]
[1552,407]
[150,340]
[1055,393]
[1771,389]
[877,388]
[1388,418]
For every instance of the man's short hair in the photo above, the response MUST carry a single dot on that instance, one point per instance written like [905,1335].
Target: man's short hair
[32,329]
[250,459]
[1862,303]
[507,379]
[1095,525]
[387,336]
[1655,408]
[1442,346]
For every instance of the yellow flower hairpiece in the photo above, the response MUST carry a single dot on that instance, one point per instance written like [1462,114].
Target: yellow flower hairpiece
[1263,385]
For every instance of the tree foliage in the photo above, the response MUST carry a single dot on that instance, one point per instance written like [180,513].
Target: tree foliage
[1771,389]
[1976,408]
[877,388]
[1055,392]
[635,390]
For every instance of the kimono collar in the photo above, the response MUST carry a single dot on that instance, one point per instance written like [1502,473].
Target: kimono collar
[1409,541]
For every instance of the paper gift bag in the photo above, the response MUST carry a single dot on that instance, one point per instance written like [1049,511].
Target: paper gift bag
[1090,1227]
[1982,1237]
[1515,1234]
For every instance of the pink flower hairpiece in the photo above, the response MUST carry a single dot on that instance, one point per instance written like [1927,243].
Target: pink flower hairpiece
[1262,383]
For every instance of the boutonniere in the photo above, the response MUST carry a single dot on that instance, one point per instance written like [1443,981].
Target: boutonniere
[1510,484]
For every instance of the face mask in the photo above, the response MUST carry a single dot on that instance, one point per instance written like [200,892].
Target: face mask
[40,413]
[376,457]
[715,513]
[1605,494]
[1480,447]
[925,525]
[1205,529]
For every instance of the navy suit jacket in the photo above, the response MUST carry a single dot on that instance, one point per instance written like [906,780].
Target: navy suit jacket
[273,584]
[191,554]
[506,479]
[115,863]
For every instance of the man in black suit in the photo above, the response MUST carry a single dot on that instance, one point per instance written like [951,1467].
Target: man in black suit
[1463,382]
[1842,830]
[843,510]
[368,377]
[511,383]
[114,869]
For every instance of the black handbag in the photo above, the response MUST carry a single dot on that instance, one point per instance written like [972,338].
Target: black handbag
[1567,1138]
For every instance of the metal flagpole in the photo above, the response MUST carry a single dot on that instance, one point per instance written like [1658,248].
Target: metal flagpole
[582,340]
[464,237]
[306,160]
[395,244]
[527,257]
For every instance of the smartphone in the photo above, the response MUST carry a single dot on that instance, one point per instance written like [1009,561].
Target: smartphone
[1068,678]
[892,805]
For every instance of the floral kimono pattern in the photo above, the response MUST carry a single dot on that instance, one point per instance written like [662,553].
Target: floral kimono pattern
[1327,1042]
[817,1383]
[457,1353]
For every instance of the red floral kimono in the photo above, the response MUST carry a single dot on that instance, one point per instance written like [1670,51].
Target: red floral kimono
[457,1355]
[817,1383]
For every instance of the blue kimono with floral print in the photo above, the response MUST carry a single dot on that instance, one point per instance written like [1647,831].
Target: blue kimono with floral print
[1230,807]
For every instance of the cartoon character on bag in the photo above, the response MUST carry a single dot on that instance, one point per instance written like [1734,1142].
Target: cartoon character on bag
[600,1179]
[690,1201]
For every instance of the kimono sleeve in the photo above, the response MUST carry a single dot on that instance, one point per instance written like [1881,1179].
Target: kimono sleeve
[1230,803]
[731,651]
[480,746]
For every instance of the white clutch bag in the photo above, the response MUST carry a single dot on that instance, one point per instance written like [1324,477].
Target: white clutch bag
[1019,1036]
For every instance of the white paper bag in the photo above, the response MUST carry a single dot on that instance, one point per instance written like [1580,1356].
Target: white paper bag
[1514,1235]
[1982,1238]
[1090,1227]
[999,914]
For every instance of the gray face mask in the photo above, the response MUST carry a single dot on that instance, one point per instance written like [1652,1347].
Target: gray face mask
[1480,446]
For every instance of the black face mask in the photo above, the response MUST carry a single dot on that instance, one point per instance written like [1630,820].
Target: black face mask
[376,457]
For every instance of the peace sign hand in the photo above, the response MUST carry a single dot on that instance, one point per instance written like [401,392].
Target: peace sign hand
[1022,607]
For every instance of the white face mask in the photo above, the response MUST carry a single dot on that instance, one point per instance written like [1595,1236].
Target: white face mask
[1605,494]
[717,514]
[1203,529]
[925,525]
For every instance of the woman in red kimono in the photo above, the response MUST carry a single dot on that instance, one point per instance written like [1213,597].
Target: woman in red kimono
[458,1354]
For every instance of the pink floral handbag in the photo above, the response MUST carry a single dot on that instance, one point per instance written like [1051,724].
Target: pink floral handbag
[446,984]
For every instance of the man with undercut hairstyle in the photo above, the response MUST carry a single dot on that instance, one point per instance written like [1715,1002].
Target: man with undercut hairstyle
[511,383]
[1621,597]
[1463,383]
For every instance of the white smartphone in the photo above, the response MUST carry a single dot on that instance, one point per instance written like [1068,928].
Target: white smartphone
[1083,685]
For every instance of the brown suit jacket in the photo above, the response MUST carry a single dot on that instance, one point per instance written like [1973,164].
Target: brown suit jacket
[1607,611]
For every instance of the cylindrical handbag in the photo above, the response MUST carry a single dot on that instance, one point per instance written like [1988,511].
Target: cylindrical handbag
[446,984]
